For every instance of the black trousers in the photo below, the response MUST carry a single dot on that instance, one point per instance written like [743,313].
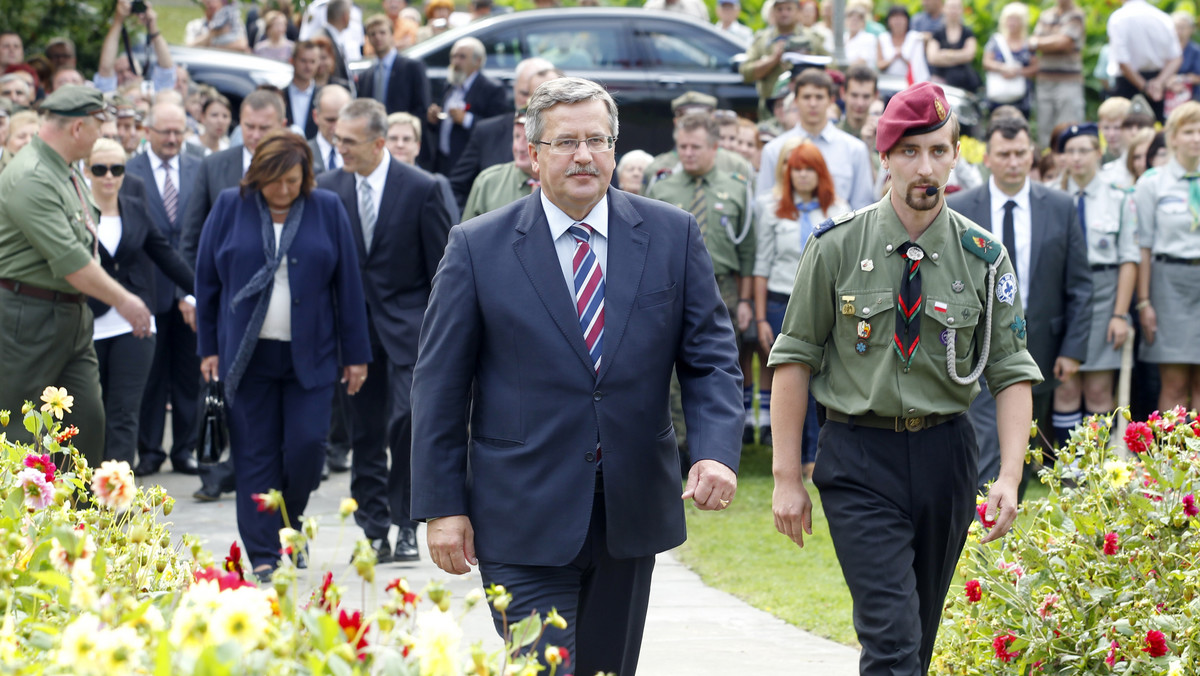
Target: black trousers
[175,378]
[124,366]
[899,505]
[1125,88]
[602,598]
[384,494]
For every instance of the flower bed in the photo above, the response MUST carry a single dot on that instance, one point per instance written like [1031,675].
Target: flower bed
[91,582]
[1100,576]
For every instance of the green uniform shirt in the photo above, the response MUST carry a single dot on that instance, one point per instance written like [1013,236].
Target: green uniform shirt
[43,232]
[726,211]
[847,285]
[844,125]
[495,187]
[802,39]
[667,163]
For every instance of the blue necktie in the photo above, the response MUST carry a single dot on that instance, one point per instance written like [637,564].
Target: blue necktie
[1082,208]
[806,224]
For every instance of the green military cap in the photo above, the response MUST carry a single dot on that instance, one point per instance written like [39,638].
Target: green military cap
[1138,105]
[681,104]
[76,101]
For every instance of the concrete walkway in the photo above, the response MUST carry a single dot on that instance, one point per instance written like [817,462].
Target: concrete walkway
[691,629]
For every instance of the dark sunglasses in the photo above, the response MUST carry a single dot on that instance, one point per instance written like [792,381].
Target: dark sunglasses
[118,170]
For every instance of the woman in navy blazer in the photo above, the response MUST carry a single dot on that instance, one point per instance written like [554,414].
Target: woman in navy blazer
[130,246]
[279,305]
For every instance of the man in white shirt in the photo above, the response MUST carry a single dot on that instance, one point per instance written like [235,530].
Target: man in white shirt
[1143,45]
[727,21]
[299,94]
[325,107]
[693,8]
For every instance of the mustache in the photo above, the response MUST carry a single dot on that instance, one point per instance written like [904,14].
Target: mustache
[588,169]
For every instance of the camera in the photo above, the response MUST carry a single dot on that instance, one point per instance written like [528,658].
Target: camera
[139,7]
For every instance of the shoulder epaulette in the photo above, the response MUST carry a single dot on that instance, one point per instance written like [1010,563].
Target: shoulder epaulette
[830,223]
[740,177]
[981,244]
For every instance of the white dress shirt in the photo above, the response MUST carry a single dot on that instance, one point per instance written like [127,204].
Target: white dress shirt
[1022,231]
[1142,36]
[160,176]
[247,158]
[564,242]
[326,147]
[111,324]
[455,98]
[277,325]
[846,156]
[376,179]
[301,100]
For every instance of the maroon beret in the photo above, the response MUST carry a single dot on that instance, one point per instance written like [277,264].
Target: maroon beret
[920,109]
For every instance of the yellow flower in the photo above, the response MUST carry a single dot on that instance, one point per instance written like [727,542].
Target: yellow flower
[1117,472]
[555,620]
[1175,669]
[79,644]
[436,644]
[348,507]
[57,400]
[241,617]
[119,651]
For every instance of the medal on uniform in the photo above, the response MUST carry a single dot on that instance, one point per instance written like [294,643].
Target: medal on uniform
[847,305]
[915,254]
[860,346]
[867,265]
[864,330]
[944,337]
[958,286]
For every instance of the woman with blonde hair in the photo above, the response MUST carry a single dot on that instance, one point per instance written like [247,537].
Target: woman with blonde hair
[1010,61]
[803,197]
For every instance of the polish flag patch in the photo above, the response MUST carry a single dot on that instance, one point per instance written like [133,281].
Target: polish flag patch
[940,307]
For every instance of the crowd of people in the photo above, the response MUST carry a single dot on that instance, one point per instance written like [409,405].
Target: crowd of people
[295,259]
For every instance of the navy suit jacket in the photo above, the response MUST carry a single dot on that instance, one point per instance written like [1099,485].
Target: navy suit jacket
[329,318]
[407,245]
[218,171]
[501,343]
[1059,308]
[407,91]
[310,124]
[189,168]
[490,144]
[484,99]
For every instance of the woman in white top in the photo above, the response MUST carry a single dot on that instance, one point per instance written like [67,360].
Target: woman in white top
[216,118]
[129,243]
[901,51]
[861,46]
[803,197]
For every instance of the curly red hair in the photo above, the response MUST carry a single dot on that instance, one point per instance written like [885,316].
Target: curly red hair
[804,156]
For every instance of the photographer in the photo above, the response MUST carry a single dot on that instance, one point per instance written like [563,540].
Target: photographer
[766,60]
[114,72]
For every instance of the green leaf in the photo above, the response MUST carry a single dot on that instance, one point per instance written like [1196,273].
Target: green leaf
[338,666]
[162,655]
[14,505]
[525,632]
[53,578]
[324,629]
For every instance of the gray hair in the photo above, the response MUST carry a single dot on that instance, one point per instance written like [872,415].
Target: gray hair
[694,121]
[534,64]
[406,119]
[13,77]
[152,116]
[370,110]
[566,90]
[477,49]
[634,157]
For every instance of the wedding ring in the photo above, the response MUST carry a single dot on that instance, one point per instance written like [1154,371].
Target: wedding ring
[724,503]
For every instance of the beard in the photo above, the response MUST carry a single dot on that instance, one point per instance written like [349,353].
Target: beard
[455,76]
[917,200]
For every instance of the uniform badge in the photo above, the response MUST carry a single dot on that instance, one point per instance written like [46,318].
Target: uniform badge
[958,286]
[864,330]
[866,265]
[1018,326]
[1103,243]
[944,337]
[940,109]
[915,254]
[724,221]
[719,206]
[861,346]
[1006,288]
[722,196]
[847,305]
[939,306]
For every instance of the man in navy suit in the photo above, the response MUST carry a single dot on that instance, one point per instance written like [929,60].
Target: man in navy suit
[260,112]
[301,93]
[564,485]
[470,97]
[1041,232]
[400,222]
[396,81]
[168,176]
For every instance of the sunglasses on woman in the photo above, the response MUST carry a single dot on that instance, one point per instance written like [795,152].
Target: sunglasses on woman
[99,170]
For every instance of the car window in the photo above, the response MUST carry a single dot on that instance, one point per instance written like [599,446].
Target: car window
[570,48]
[503,50]
[669,47]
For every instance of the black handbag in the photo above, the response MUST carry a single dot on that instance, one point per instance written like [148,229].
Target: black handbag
[213,444]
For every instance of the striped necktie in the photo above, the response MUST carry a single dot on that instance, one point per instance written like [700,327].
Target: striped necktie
[699,205]
[170,194]
[908,305]
[589,291]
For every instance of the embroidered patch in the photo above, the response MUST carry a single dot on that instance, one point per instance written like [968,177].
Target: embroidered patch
[944,336]
[1006,288]
[1018,326]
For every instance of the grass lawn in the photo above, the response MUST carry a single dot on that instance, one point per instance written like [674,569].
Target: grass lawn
[740,552]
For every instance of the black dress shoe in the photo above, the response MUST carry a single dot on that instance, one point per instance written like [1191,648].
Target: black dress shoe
[406,545]
[337,461]
[325,471]
[264,576]
[147,467]
[383,551]
[208,494]
[185,465]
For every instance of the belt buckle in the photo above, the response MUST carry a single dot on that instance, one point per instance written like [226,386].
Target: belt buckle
[914,424]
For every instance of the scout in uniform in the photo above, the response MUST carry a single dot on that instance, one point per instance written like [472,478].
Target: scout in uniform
[897,310]
[667,163]
[1109,221]
[503,184]
[1168,213]
[48,256]
[720,203]
[766,59]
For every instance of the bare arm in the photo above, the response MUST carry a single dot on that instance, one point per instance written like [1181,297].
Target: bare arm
[108,50]
[162,52]
[1014,415]
[95,282]
[1146,312]
[789,405]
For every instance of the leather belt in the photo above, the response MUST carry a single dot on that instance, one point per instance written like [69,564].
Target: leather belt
[23,289]
[895,424]
[1101,267]
[1164,258]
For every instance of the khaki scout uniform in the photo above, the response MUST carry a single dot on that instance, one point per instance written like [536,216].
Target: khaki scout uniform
[728,231]
[495,187]
[47,335]
[801,38]
[667,163]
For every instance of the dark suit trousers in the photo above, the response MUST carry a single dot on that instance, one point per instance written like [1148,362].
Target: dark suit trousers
[602,598]
[175,378]
[899,505]
[384,496]
[277,435]
[124,365]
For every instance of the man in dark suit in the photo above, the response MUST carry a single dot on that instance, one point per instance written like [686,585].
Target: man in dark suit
[488,145]
[261,112]
[400,223]
[300,95]
[337,20]
[470,97]
[1040,229]
[167,176]
[564,484]
[326,104]
[396,81]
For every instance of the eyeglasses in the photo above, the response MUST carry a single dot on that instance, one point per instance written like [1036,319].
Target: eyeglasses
[340,142]
[101,170]
[169,132]
[568,146]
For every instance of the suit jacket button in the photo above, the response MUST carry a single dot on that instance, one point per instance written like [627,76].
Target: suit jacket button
[295,301]
[597,395]
[589,456]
